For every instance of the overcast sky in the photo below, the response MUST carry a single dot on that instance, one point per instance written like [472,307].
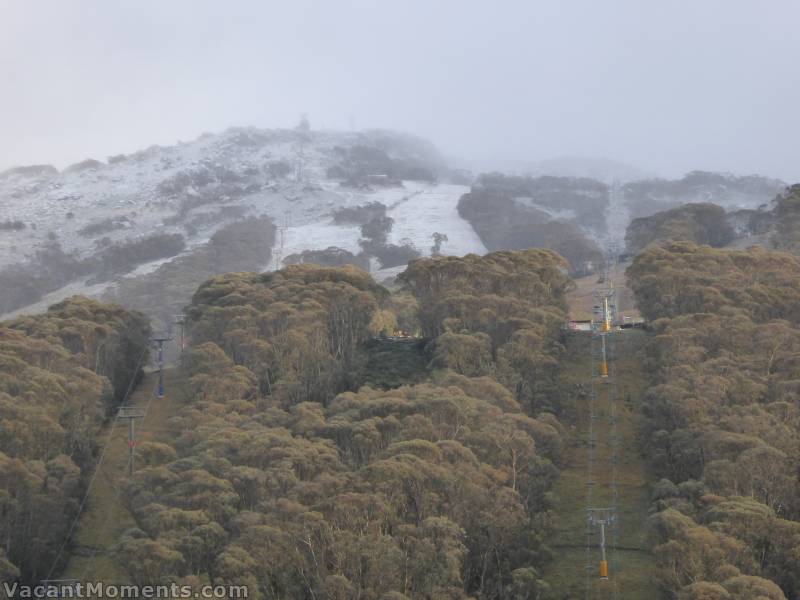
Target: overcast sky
[668,85]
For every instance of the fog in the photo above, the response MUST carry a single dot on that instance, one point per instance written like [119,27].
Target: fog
[668,87]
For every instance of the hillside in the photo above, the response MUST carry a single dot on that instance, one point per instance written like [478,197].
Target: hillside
[302,449]
[600,169]
[107,517]
[648,196]
[563,214]
[699,223]
[601,446]
[268,435]
[275,420]
[62,375]
[721,419]
[96,226]
[133,224]
[785,220]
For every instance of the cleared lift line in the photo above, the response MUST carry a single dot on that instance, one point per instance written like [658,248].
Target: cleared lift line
[602,520]
[127,412]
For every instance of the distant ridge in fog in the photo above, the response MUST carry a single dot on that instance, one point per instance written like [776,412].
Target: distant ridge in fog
[601,169]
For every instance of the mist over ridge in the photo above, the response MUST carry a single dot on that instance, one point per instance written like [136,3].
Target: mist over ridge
[669,89]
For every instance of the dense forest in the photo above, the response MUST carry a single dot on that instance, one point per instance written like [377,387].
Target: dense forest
[63,374]
[586,200]
[699,223]
[722,425]
[311,454]
[497,315]
[540,342]
[786,220]
[288,475]
[514,213]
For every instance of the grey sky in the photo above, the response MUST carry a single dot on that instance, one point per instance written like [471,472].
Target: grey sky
[670,86]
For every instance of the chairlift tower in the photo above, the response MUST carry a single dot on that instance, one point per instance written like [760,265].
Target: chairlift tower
[607,315]
[131,413]
[160,339]
[282,240]
[602,517]
[180,321]
[604,358]
[603,520]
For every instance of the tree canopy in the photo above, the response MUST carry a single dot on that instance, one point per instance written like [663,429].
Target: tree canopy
[288,475]
[515,213]
[61,373]
[701,223]
[498,315]
[683,278]
[298,330]
[722,422]
[433,490]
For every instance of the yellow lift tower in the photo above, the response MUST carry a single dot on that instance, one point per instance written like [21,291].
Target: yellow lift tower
[606,323]
[602,517]
[604,360]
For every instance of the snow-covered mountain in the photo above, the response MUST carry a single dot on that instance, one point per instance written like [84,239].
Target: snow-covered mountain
[178,189]
[146,228]
[194,189]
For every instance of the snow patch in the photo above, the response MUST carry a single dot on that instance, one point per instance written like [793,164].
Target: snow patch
[432,210]
[419,210]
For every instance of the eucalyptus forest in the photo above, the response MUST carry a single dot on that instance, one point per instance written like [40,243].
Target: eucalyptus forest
[287,464]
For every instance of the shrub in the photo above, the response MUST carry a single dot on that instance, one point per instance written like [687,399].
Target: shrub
[278,169]
[12,225]
[104,226]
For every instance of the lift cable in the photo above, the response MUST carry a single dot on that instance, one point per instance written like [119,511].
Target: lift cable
[85,498]
[603,369]
[118,491]
[614,441]
[615,456]
[591,442]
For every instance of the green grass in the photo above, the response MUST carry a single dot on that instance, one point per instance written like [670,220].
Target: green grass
[105,517]
[632,567]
